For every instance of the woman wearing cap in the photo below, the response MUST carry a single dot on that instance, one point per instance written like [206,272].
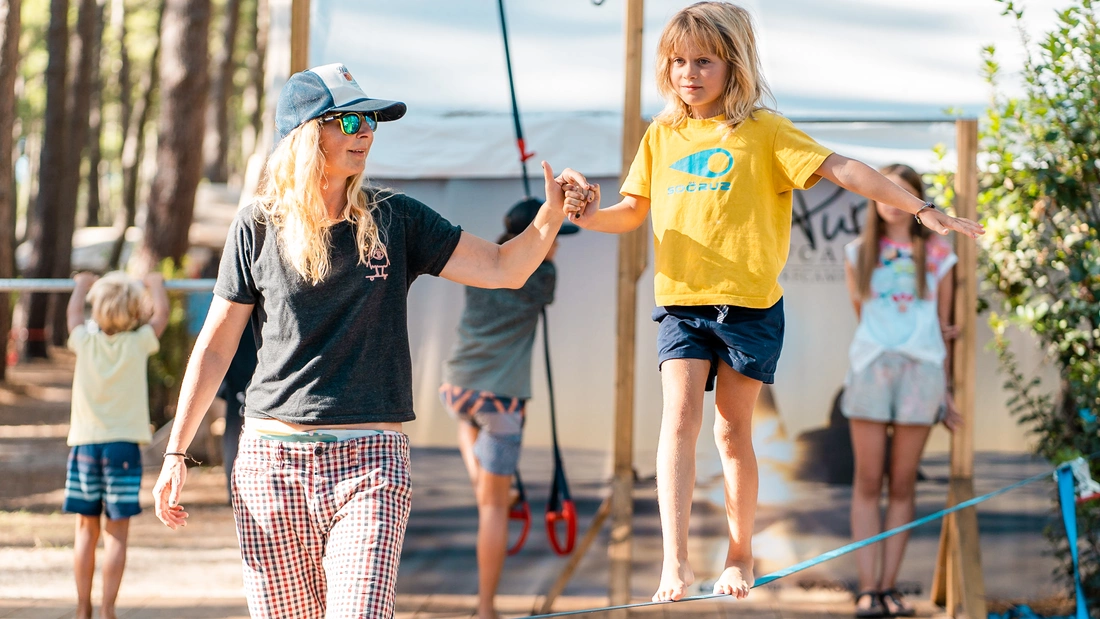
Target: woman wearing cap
[487,382]
[322,267]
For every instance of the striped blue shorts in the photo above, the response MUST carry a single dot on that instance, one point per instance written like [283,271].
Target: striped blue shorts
[104,477]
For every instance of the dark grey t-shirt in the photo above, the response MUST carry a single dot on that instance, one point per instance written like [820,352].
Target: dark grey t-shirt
[336,352]
[496,335]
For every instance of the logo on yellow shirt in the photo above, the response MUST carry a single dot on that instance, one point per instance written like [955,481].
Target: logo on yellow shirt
[709,163]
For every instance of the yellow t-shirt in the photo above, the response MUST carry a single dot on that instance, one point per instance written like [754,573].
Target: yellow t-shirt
[721,206]
[110,389]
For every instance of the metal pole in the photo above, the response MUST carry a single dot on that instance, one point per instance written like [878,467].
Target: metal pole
[67,285]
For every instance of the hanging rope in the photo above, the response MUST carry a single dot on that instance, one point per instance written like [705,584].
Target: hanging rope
[523,154]
[560,506]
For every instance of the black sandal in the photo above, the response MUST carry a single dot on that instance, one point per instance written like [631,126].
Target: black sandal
[876,609]
[893,597]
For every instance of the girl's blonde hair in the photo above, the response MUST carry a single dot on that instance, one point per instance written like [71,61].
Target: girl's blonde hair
[725,30]
[873,230]
[118,303]
[290,197]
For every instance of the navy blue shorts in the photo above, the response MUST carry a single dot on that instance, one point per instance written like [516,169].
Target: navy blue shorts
[746,339]
[104,477]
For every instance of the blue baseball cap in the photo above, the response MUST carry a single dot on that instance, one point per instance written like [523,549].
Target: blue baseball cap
[320,90]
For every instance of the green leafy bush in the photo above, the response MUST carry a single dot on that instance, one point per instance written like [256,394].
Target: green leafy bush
[1040,203]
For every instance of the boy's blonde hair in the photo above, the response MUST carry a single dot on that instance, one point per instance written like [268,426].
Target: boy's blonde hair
[290,197]
[725,30]
[118,303]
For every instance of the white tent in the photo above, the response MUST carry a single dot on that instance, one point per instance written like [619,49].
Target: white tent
[455,151]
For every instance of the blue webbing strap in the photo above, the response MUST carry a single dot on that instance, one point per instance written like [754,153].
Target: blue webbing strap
[843,550]
[1068,498]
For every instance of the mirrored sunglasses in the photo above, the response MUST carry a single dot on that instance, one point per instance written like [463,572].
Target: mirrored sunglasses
[351,122]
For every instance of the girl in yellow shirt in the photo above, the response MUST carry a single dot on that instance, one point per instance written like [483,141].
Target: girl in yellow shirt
[716,170]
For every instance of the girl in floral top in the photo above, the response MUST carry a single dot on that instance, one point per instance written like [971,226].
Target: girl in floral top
[901,284]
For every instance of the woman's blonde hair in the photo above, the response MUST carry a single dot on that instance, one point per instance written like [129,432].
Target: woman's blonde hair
[118,303]
[873,230]
[725,30]
[290,197]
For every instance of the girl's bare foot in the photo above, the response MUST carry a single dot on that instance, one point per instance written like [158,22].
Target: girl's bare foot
[675,579]
[489,614]
[736,579]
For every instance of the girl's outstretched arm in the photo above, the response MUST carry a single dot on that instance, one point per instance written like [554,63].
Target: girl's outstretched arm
[860,178]
[582,204]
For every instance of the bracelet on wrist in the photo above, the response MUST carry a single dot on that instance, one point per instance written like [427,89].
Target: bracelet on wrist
[927,205]
[181,454]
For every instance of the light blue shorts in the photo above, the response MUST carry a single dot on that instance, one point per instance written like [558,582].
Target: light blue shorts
[500,419]
[895,389]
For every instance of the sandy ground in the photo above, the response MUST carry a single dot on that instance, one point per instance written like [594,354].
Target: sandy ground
[195,572]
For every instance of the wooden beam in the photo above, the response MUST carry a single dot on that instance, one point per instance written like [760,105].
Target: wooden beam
[939,574]
[966,299]
[299,35]
[575,559]
[957,583]
[968,553]
[632,254]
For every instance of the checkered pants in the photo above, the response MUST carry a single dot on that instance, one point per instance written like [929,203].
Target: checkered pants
[321,525]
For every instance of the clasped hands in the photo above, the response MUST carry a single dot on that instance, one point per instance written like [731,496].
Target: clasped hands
[581,198]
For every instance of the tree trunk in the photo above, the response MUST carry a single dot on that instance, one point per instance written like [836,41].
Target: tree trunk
[184,83]
[95,119]
[46,213]
[125,84]
[133,149]
[257,68]
[216,144]
[253,99]
[80,102]
[9,65]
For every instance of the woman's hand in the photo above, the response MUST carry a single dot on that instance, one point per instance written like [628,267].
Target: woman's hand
[952,420]
[166,492]
[555,194]
[950,332]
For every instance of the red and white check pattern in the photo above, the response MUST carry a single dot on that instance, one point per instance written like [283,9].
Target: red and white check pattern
[321,525]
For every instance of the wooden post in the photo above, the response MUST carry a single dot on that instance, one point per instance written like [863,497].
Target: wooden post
[632,261]
[966,299]
[574,559]
[958,580]
[299,35]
